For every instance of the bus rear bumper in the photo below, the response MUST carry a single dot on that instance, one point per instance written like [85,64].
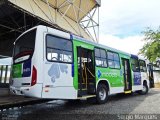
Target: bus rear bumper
[30,91]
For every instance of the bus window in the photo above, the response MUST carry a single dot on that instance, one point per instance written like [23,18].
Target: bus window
[113,60]
[142,65]
[58,49]
[52,54]
[135,65]
[24,46]
[100,57]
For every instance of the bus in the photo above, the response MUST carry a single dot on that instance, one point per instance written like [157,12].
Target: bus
[50,63]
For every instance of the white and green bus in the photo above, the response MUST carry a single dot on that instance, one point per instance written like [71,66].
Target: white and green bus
[49,63]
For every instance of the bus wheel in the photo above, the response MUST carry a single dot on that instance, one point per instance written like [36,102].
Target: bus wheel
[144,90]
[102,94]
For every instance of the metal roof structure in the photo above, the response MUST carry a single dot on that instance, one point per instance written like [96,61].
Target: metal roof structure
[75,16]
[80,17]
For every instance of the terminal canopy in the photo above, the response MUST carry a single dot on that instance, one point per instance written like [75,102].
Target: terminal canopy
[81,7]
[67,14]
[73,16]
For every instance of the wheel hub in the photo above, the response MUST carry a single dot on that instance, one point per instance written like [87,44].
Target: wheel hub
[102,94]
[144,89]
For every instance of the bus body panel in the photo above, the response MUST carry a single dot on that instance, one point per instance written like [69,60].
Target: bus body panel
[144,76]
[58,81]
[22,84]
[114,76]
[137,87]
[58,78]
[34,91]
[115,90]
[136,74]
[144,72]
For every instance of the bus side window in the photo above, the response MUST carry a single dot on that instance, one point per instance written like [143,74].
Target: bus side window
[58,49]
[113,60]
[142,65]
[135,65]
[100,57]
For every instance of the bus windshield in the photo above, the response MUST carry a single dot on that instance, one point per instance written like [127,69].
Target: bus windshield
[24,46]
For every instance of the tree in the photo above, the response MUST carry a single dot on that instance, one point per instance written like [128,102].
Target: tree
[151,48]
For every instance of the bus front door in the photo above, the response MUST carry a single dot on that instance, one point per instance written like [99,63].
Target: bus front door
[151,77]
[127,75]
[86,72]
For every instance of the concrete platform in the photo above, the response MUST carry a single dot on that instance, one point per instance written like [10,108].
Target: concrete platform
[4,92]
[18,101]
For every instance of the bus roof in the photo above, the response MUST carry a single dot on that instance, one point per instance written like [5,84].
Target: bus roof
[98,45]
[28,31]
[80,39]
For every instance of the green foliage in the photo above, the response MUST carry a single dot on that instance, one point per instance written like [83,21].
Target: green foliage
[151,48]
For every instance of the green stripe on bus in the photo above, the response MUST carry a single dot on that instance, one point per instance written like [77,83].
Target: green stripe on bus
[17,71]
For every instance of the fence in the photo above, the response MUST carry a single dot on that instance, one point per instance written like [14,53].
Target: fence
[5,73]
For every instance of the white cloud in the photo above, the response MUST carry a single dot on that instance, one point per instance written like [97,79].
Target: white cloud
[130,44]
[128,17]
[122,21]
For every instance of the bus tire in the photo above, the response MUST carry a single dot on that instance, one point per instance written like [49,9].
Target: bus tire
[144,90]
[102,94]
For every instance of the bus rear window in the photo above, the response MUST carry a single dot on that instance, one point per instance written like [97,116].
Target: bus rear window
[24,46]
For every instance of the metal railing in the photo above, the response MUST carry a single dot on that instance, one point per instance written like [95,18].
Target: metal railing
[5,73]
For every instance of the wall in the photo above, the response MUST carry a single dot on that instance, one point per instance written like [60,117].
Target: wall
[156,76]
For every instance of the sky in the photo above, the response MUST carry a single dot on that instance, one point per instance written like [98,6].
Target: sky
[122,22]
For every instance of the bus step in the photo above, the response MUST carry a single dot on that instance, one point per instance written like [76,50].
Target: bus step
[86,96]
[83,89]
[81,86]
[82,92]
[127,92]
[91,90]
[87,83]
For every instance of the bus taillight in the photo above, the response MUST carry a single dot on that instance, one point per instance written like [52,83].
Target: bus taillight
[34,76]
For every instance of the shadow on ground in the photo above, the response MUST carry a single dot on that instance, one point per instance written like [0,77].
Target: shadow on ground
[117,104]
